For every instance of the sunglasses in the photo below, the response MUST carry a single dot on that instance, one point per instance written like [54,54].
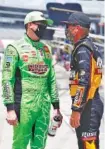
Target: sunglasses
[40,24]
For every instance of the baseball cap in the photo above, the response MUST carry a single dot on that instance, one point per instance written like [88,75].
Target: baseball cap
[36,16]
[79,18]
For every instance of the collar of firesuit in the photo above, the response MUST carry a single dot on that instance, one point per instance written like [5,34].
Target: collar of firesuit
[37,44]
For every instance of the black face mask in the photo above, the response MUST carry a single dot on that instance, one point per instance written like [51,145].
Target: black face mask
[40,30]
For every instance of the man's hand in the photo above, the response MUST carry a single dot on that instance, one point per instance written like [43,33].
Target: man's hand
[12,118]
[75,119]
[59,115]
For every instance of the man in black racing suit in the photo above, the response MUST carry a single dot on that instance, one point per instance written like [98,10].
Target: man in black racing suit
[85,79]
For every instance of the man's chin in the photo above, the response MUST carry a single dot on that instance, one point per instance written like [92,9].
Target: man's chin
[37,38]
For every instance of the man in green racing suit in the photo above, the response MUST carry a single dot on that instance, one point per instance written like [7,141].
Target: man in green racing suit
[29,85]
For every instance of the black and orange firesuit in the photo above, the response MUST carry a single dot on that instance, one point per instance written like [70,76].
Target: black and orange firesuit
[85,79]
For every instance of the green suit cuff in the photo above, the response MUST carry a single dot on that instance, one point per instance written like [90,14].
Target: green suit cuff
[10,106]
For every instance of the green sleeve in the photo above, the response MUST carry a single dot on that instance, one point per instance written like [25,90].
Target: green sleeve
[8,74]
[53,87]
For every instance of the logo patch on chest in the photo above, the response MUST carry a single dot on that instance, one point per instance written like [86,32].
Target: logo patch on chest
[33,53]
[39,68]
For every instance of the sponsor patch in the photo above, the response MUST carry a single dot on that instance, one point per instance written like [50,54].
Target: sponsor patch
[25,58]
[99,62]
[98,71]
[33,53]
[7,64]
[6,91]
[10,51]
[73,82]
[25,47]
[46,49]
[78,97]
[89,134]
[82,73]
[48,54]
[38,68]
[72,74]
[41,53]
[9,59]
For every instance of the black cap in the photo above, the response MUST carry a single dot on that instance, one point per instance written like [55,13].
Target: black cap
[79,18]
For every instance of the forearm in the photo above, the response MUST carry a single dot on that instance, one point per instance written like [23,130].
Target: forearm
[8,93]
[10,107]
[54,95]
[53,89]
[8,75]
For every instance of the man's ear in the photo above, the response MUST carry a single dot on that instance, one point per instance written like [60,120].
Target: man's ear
[30,25]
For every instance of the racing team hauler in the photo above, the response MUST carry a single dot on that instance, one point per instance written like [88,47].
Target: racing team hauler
[29,84]
[85,79]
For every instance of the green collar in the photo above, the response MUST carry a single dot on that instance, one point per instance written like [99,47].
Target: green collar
[37,44]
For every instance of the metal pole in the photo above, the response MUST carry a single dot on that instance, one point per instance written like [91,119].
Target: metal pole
[65,10]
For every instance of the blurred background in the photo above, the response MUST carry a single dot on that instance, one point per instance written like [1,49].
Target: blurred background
[12,14]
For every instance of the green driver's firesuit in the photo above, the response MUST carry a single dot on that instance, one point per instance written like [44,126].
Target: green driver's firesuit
[29,87]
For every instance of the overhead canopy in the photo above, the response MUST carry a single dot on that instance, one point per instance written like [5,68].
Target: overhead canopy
[60,12]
